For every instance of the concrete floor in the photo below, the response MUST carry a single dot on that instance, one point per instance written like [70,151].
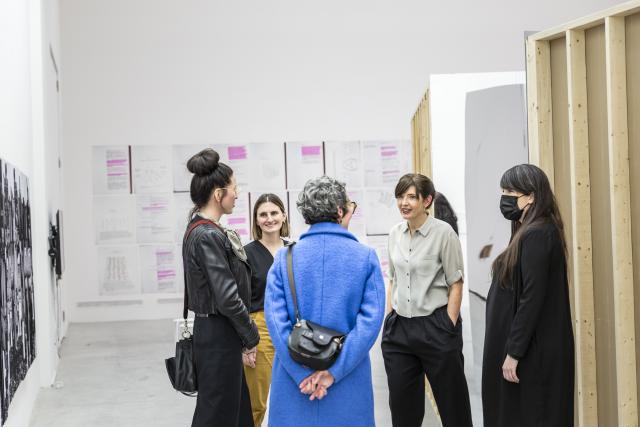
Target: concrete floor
[112,374]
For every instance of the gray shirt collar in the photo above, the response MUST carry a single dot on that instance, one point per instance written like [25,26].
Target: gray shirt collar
[424,228]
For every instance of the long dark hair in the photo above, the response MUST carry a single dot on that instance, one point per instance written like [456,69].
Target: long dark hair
[208,174]
[443,210]
[266,198]
[527,179]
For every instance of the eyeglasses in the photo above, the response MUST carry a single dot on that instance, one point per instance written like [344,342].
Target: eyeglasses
[355,206]
[236,189]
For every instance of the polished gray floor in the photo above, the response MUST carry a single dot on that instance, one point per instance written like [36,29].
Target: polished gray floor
[112,374]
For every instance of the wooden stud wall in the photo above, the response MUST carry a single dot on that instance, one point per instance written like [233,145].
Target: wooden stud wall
[583,88]
[421,137]
[633,113]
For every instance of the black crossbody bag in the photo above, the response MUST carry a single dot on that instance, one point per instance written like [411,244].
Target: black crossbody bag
[310,344]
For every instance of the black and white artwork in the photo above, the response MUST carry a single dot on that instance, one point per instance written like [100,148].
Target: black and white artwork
[17,326]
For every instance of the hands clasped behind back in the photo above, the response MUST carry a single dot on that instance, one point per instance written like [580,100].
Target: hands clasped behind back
[317,384]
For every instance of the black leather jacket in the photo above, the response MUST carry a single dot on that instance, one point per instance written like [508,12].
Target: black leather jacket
[218,281]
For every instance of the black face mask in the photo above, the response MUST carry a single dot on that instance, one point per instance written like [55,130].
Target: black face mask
[509,207]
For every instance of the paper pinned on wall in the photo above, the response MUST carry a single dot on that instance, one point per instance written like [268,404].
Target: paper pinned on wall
[383,203]
[151,169]
[237,158]
[267,170]
[179,269]
[182,205]
[181,155]
[296,221]
[158,268]
[380,245]
[118,270]
[343,161]
[154,218]
[386,162]
[114,219]
[111,170]
[304,162]
[357,225]
[239,219]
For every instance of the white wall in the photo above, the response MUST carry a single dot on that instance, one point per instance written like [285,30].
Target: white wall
[165,72]
[448,119]
[25,27]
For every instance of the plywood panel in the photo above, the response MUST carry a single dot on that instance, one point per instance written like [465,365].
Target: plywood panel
[633,113]
[580,224]
[600,220]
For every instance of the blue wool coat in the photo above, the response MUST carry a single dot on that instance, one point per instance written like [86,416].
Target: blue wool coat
[339,285]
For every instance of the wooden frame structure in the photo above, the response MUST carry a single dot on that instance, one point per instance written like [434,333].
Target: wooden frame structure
[583,90]
[421,137]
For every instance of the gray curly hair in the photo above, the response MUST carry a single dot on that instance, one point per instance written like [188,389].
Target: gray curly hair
[320,199]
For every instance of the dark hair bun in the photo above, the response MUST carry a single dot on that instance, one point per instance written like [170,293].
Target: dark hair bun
[204,163]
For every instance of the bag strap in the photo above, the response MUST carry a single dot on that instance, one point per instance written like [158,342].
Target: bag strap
[185,310]
[292,283]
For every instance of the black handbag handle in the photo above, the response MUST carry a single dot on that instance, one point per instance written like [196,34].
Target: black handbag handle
[185,309]
[292,283]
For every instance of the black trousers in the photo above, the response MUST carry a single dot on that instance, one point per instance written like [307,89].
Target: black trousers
[223,396]
[431,345]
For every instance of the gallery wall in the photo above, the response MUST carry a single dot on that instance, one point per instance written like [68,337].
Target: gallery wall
[165,73]
[141,205]
[27,29]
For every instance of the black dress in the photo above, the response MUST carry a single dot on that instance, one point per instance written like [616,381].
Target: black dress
[531,321]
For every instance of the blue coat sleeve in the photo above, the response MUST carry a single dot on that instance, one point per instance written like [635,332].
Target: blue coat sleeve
[361,338]
[279,322]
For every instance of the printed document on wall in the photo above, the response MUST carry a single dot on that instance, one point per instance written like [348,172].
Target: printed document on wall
[357,225]
[386,162]
[304,162]
[114,219]
[237,158]
[343,161]
[181,155]
[382,211]
[154,218]
[239,219]
[118,271]
[380,244]
[296,221]
[158,268]
[267,169]
[111,170]
[151,166]
[182,205]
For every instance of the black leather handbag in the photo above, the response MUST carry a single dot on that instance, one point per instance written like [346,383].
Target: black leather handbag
[310,344]
[182,368]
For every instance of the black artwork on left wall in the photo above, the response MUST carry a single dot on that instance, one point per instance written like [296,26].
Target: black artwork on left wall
[17,326]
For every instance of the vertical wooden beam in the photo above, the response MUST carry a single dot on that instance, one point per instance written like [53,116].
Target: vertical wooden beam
[619,187]
[539,106]
[415,137]
[425,159]
[421,136]
[587,397]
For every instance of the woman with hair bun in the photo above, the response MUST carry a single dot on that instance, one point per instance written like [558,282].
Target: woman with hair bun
[218,291]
